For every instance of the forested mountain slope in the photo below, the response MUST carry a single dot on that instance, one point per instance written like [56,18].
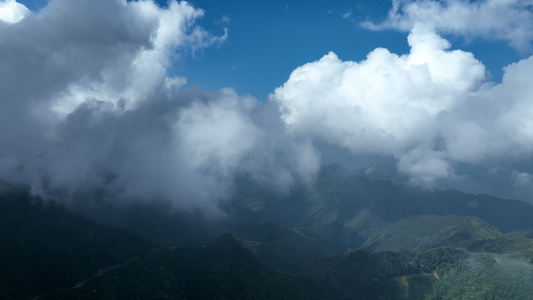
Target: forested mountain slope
[344,237]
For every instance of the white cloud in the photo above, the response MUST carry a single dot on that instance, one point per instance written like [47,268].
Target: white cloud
[386,104]
[74,51]
[495,123]
[425,166]
[347,14]
[509,20]
[12,12]
[110,50]
[430,109]
[86,102]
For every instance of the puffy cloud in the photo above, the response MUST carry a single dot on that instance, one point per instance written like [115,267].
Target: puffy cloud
[110,50]
[433,110]
[77,50]
[386,104]
[87,103]
[495,124]
[12,12]
[509,20]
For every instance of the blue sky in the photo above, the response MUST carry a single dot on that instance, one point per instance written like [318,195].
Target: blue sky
[269,39]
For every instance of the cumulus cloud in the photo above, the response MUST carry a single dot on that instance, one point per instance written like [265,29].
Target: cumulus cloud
[433,110]
[87,103]
[387,104]
[509,20]
[12,12]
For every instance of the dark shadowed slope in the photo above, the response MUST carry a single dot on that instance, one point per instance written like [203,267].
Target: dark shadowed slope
[222,269]
[43,246]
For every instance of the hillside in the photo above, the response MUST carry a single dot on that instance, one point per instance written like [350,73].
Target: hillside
[222,269]
[43,246]
[430,231]
[348,209]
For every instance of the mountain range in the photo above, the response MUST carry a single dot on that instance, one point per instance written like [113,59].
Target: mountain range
[343,237]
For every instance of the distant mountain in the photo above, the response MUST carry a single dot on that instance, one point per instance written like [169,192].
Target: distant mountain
[348,209]
[343,209]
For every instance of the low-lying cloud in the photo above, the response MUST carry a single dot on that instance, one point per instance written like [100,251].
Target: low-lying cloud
[87,103]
